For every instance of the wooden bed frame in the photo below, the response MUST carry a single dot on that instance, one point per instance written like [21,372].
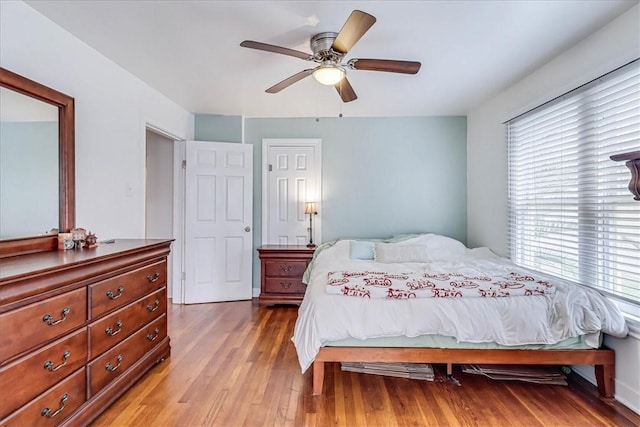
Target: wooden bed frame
[603,360]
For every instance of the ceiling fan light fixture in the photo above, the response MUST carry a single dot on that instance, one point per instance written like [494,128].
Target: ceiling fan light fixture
[329,74]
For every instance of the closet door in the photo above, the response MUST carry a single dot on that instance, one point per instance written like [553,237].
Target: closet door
[291,177]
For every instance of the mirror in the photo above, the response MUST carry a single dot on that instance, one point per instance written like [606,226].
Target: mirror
[37,130]
[28,165]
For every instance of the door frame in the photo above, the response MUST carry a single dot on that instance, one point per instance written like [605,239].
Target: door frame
[175,283]
[267,143]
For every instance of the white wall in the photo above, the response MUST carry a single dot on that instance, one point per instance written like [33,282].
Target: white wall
[112,110]
[614,45]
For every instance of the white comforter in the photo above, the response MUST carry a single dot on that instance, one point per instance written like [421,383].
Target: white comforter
[572,311]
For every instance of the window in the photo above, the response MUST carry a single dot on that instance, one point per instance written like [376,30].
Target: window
[570,212]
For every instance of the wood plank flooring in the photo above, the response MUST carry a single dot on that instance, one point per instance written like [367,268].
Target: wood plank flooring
[233,364]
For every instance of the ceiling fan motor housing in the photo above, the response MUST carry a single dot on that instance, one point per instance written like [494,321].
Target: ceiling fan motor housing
[321,47]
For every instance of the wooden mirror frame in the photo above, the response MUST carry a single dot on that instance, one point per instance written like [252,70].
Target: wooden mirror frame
[66,161]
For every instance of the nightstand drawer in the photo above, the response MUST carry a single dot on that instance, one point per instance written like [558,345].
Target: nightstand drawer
[285,268]
[282,268]
[284,286]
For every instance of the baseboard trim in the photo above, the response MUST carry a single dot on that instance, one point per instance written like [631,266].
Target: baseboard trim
[624,394]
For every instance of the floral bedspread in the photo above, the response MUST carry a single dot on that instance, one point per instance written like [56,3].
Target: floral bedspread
[374,284]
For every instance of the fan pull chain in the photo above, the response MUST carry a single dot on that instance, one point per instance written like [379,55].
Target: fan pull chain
[317,104]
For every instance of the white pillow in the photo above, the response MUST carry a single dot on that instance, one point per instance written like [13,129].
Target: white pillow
[442,248]
[391,253]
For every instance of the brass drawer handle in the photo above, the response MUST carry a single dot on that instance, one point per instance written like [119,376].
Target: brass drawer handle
[153,307]
[111,295]
[153,277]
[110,367]
[111,332]
[153,337]
[46,412]
[48,365]
[286,285]
[286,269]
[49,319]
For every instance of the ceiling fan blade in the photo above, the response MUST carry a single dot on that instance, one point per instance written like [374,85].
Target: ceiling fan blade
[289,81]
[276,49]
[345,90]
[388,65]
[357,24]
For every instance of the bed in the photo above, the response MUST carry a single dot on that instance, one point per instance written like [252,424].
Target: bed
[561,324]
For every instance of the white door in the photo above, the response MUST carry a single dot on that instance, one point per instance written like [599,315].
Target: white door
[218,221]
[292,177]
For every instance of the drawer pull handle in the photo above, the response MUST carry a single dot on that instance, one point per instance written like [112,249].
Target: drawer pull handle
[286,269]
[48,365]
[153,337]
[286,285]
[111,295]
[49,319]
[153,307]
[153,277]
[46,412]
[111,332]
[110,367]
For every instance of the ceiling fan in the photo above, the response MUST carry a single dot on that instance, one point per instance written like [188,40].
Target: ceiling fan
[329,50]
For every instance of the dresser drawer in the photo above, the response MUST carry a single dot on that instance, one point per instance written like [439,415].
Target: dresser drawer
[292,268]
[120,290]
[284,285]
[39,322]
[115,327]
[39,371]
[114,362]
[50,408]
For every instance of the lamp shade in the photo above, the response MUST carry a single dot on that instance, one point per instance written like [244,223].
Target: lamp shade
[329,74]
[309,208]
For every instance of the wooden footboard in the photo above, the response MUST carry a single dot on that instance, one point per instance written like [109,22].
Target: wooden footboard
[602,359]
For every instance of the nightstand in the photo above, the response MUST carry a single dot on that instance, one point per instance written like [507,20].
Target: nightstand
[281,270]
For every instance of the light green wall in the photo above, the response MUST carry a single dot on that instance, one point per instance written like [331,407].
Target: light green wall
[380,176]
[210,127]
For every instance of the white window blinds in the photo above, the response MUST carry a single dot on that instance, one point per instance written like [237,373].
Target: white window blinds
[570,212]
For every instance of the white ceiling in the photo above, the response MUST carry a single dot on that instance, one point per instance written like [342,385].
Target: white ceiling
[470,50]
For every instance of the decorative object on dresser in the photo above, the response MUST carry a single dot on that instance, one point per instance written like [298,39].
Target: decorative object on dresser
[78,328]
[281,270]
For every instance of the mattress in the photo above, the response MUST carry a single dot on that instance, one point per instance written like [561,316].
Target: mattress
[439,341]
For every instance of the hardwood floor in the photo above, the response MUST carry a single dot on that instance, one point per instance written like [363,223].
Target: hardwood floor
[233,364]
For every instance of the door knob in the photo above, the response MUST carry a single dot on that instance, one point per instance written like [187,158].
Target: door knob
[247,229]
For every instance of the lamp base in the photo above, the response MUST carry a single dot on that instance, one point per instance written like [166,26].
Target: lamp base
[311,245]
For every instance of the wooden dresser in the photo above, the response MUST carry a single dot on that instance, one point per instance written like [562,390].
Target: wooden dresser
[78,328]
[281,270]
